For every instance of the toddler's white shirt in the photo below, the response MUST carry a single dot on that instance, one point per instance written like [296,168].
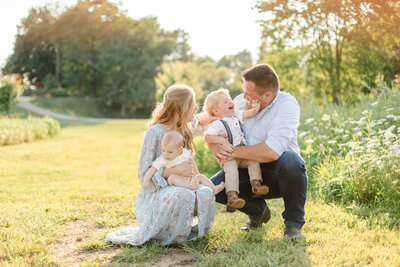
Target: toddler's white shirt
[217,128]
[161,162]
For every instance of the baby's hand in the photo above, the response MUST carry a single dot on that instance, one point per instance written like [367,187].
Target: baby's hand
[255,105]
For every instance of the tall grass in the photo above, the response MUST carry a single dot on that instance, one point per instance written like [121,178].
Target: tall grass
[15,131]
[353,155]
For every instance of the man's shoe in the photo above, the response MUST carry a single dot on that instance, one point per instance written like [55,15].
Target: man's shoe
[253,224]
[291,232]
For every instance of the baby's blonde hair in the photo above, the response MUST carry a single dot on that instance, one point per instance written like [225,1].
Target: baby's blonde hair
[173,138]
[212,100]
[177,100]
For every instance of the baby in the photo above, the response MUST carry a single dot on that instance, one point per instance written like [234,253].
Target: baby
[173,154]
[219,104]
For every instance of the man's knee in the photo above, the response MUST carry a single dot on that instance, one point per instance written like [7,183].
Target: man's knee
[218,177]
[292,167]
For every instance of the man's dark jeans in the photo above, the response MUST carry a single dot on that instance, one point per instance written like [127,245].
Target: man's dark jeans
[285,177]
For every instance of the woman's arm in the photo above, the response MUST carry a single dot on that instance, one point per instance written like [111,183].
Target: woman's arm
[150,147]
[147,177]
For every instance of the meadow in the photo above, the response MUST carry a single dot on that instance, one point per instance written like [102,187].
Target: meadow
[60,196]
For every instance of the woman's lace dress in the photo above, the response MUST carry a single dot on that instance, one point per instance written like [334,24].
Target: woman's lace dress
[165,213]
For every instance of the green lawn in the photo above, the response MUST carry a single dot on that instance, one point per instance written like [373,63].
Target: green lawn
[83,184]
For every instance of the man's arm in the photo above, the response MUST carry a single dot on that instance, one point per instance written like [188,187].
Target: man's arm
[260,152]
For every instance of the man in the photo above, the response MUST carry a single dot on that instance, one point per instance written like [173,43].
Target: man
[271,136]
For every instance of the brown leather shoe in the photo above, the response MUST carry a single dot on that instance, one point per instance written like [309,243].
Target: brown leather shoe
[258,189]
[291,232]
[253,224]
[234,202]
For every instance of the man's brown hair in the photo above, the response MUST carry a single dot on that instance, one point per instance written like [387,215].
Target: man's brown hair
[263,76]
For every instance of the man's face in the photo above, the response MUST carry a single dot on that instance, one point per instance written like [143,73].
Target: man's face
[251,94]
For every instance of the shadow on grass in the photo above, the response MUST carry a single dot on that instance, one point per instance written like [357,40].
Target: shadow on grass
[250,249]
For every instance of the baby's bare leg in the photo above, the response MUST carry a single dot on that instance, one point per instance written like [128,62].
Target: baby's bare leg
[182,181]
[207,182]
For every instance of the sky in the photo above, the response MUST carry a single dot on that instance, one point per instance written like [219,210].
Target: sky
[215,27]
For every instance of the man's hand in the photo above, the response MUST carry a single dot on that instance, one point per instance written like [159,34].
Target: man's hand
[220,152]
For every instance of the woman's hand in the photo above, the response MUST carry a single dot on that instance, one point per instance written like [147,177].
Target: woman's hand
[184,169]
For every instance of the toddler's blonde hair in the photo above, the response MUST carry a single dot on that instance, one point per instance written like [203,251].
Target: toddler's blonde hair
[212,100]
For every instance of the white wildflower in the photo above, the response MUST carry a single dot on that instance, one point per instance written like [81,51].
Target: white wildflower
[309,150]
[302,134]
[390,109]
[365,112]
[331,142]
[309,141]
[390,116]
[309,120]
[339,131]
[358,133]
[326,117]
[374,104]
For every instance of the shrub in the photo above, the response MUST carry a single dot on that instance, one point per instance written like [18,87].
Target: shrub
[10,88]
[354,154]
[205,161]
[14,131]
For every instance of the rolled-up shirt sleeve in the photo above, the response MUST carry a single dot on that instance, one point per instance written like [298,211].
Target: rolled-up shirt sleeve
[284,127]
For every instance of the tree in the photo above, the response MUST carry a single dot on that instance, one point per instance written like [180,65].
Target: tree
[131,66]
[34,54]
[324,26]
[290,65]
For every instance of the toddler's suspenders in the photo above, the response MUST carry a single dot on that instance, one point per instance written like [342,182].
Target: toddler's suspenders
[228,130]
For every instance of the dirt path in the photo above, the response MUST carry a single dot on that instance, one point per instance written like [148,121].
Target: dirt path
[23,102]
[67,252]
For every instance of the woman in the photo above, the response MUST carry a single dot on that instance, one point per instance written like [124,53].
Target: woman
[165,213]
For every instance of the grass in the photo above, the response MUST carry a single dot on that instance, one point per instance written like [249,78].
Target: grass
[74,106]
[15,131]
[89,173]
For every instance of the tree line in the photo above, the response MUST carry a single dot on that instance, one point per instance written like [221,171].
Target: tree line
[332,50]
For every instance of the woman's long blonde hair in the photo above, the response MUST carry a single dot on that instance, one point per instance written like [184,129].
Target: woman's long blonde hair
[178,99]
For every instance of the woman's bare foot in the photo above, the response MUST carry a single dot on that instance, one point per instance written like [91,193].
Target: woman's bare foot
[218,188]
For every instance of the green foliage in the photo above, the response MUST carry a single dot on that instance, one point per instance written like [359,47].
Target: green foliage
[15,131]
[204,160]
[352,153]
[205,75]
[290,64]
[331,31]
[10,88]
[94,49]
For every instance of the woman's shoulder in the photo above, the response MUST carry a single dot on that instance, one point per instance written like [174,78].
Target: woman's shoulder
[155,130]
